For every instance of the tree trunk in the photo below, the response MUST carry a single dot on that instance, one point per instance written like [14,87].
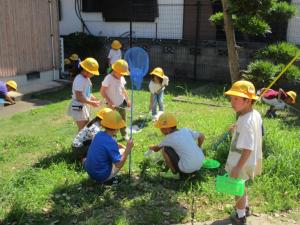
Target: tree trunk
[233,58]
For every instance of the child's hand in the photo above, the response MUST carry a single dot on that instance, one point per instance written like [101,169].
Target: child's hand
[232,127]
[95,103]
[235,172]
[129,144]
[128,103]
[154,148]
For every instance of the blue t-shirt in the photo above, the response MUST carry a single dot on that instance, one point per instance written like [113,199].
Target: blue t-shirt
[3,88]
[102,153]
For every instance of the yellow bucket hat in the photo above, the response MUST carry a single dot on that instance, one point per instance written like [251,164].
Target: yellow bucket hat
[113,120]
[91,65]
[121,67]
[166,120]
[158,72]
[116,45]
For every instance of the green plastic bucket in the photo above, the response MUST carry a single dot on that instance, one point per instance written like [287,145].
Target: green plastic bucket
[211,164]
[230,186]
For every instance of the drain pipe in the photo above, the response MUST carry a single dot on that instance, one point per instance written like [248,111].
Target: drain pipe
[52,38]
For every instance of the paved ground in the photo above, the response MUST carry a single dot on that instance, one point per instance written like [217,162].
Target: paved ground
[21,106]
[25,103]
[253,220]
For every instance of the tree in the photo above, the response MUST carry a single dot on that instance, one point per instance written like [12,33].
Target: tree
[250,17]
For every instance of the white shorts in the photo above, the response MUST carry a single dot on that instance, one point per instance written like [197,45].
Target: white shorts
[78,114]
[278,104]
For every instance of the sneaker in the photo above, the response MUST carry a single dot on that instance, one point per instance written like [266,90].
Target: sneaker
[248,212]
[238,221]
[170,175]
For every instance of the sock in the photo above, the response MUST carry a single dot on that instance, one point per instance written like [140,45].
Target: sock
[241,212]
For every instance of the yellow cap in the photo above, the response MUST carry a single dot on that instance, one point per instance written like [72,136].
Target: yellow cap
[116,45]
[158,72]
[292,95]
[166,120]
[12,84]
[74,57]
[67,61]
[121,67]
[113,120]
[103,111]
[243,89]
[91,65]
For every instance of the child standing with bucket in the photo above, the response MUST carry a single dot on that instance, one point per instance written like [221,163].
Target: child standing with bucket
[114,92]
[157,86]
[245,157]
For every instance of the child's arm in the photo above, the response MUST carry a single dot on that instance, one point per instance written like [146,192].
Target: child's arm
[126,97]
[155,148]
[243,159]
[125,154]
[82,99]
[9,99]
[201,140]
[105,96]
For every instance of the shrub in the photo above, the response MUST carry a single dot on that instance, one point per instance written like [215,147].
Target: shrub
[261,72]
[282,52]
[82,44]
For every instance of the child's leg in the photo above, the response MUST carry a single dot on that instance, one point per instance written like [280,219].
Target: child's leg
[122,112]
[81,124]
[171,159]
[160,98]
[154,105]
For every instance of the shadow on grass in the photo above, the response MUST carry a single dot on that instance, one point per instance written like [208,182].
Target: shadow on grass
[92,203]
[65,155]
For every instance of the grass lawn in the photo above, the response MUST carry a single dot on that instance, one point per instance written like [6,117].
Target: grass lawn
[41,184]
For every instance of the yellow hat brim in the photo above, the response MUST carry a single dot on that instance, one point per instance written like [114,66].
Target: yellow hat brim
[240,94]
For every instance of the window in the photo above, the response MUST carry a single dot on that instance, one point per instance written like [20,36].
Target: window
[120,10]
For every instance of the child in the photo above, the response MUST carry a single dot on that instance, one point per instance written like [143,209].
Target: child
[114,53]
[84,138]
[81,93]
[157,86]
[74,65]
[10,85]
[245,157]
[277,100]
[179,149]
[114,93]
[104,160]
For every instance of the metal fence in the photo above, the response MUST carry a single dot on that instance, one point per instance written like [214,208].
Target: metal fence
[181,39]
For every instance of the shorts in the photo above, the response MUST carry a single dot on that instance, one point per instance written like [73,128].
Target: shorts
[80,152]
[247,173]
[79,113]
[174,159]
[278,104]
[114,171]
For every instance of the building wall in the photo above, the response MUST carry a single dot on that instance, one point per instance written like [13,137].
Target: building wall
[168,25]
[25,36]
[293,31]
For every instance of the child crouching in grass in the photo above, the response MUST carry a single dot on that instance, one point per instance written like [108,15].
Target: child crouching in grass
[83,139]
[179,149]
[104,158]
[245,157]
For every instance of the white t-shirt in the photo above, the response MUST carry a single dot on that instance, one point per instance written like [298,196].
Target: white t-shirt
[183,143]
[114,88]
[155,88]
[248,135]
[114,55]
[83,85]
